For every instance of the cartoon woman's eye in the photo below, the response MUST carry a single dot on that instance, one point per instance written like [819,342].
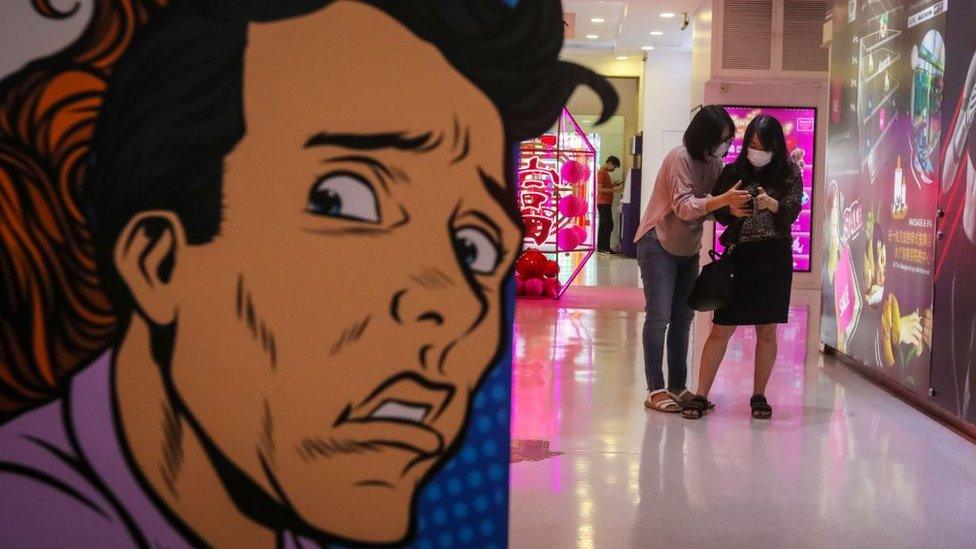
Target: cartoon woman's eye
[477,251]
[345,196]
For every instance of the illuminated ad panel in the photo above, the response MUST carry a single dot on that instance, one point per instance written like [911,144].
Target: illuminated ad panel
[799,125]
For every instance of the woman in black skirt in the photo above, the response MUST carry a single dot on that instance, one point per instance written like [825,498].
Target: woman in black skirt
[762,253]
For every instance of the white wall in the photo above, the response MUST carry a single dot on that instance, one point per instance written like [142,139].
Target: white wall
[701,53]
[607,65]
[666,111]
[585,102]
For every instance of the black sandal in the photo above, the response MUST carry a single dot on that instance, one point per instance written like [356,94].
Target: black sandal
[686,395]
[694,407]
[760,408]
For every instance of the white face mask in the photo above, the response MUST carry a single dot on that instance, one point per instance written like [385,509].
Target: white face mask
[759,159]
[722,150]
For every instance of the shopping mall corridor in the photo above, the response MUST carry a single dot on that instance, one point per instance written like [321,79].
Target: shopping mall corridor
[842,463]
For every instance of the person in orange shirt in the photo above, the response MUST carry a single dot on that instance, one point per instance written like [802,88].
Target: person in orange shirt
[606,188]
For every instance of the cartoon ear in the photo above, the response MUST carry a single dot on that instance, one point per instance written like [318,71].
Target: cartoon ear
[145,256]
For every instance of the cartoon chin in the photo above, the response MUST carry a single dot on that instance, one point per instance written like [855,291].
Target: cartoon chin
[367,511]
[362,494]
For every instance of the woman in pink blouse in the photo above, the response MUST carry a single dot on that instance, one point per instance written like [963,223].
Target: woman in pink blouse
[668,242]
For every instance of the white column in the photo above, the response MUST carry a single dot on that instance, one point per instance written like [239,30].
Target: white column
[667,88]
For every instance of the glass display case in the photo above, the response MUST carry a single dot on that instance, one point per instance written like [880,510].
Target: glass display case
[878,85]
[928,81]
[557,198]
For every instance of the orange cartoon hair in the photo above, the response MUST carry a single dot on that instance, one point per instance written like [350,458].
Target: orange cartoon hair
[54,317]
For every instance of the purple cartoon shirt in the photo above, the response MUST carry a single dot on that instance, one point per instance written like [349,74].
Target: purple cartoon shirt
[65,481]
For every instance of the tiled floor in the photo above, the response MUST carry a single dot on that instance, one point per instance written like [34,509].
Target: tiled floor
[842,464]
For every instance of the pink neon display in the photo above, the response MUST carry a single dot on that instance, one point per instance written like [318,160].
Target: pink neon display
[799,124]
[557,197]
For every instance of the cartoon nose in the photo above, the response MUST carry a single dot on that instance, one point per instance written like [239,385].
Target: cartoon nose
[432,317]
[436,307]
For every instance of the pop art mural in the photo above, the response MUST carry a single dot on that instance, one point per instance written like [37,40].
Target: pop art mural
[901,222]
[954,356]
[255,269]
[886,94]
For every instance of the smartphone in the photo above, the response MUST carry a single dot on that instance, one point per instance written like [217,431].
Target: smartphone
[752,201]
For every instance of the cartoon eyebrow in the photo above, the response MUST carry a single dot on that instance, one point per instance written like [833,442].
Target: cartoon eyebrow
[368,142]
[502,196]
[380,170]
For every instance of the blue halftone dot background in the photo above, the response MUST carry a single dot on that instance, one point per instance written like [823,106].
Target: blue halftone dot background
[466,503]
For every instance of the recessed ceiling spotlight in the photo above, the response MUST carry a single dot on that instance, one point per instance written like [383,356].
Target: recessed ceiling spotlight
[667,14]
[598,20]
[657,33]
[592,36]
[622,58]
[647,48]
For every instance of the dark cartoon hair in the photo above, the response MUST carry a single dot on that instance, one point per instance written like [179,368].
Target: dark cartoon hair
[89,138]
[770,133]
[614,160]
[705,131]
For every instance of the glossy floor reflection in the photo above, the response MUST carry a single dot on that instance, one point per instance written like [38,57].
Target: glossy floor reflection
[842,464]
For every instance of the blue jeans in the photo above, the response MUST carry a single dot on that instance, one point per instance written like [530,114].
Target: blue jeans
[668,280]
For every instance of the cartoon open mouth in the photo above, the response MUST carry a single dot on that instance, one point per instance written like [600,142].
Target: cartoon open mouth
[400,413]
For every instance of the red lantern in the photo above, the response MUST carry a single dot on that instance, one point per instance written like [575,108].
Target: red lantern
[568,239]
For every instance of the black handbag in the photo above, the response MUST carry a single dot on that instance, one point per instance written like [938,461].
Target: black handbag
[714,286]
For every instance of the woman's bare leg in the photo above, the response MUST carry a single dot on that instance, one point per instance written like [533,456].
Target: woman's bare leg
[766,349]
[712,355]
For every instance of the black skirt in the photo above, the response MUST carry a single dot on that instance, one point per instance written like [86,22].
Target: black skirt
[763,283]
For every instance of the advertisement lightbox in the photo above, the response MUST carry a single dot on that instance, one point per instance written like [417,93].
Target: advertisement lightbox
[800,127]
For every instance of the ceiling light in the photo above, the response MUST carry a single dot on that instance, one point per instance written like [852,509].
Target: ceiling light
[647,48]
[622,58]
[667,14]
[657,33]
[598,20]
[592,36]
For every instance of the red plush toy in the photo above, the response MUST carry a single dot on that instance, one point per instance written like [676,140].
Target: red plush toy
[531,264]
[534,287]
[551,287]
[552,269]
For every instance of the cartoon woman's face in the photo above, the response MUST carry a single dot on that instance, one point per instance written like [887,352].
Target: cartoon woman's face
[354,294]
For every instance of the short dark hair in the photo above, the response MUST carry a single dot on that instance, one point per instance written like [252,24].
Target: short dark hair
[770,132]
[706,129]
[154,150]
[613,160]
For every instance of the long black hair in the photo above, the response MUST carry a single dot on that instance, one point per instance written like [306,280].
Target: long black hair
[771,135]
[706,130]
